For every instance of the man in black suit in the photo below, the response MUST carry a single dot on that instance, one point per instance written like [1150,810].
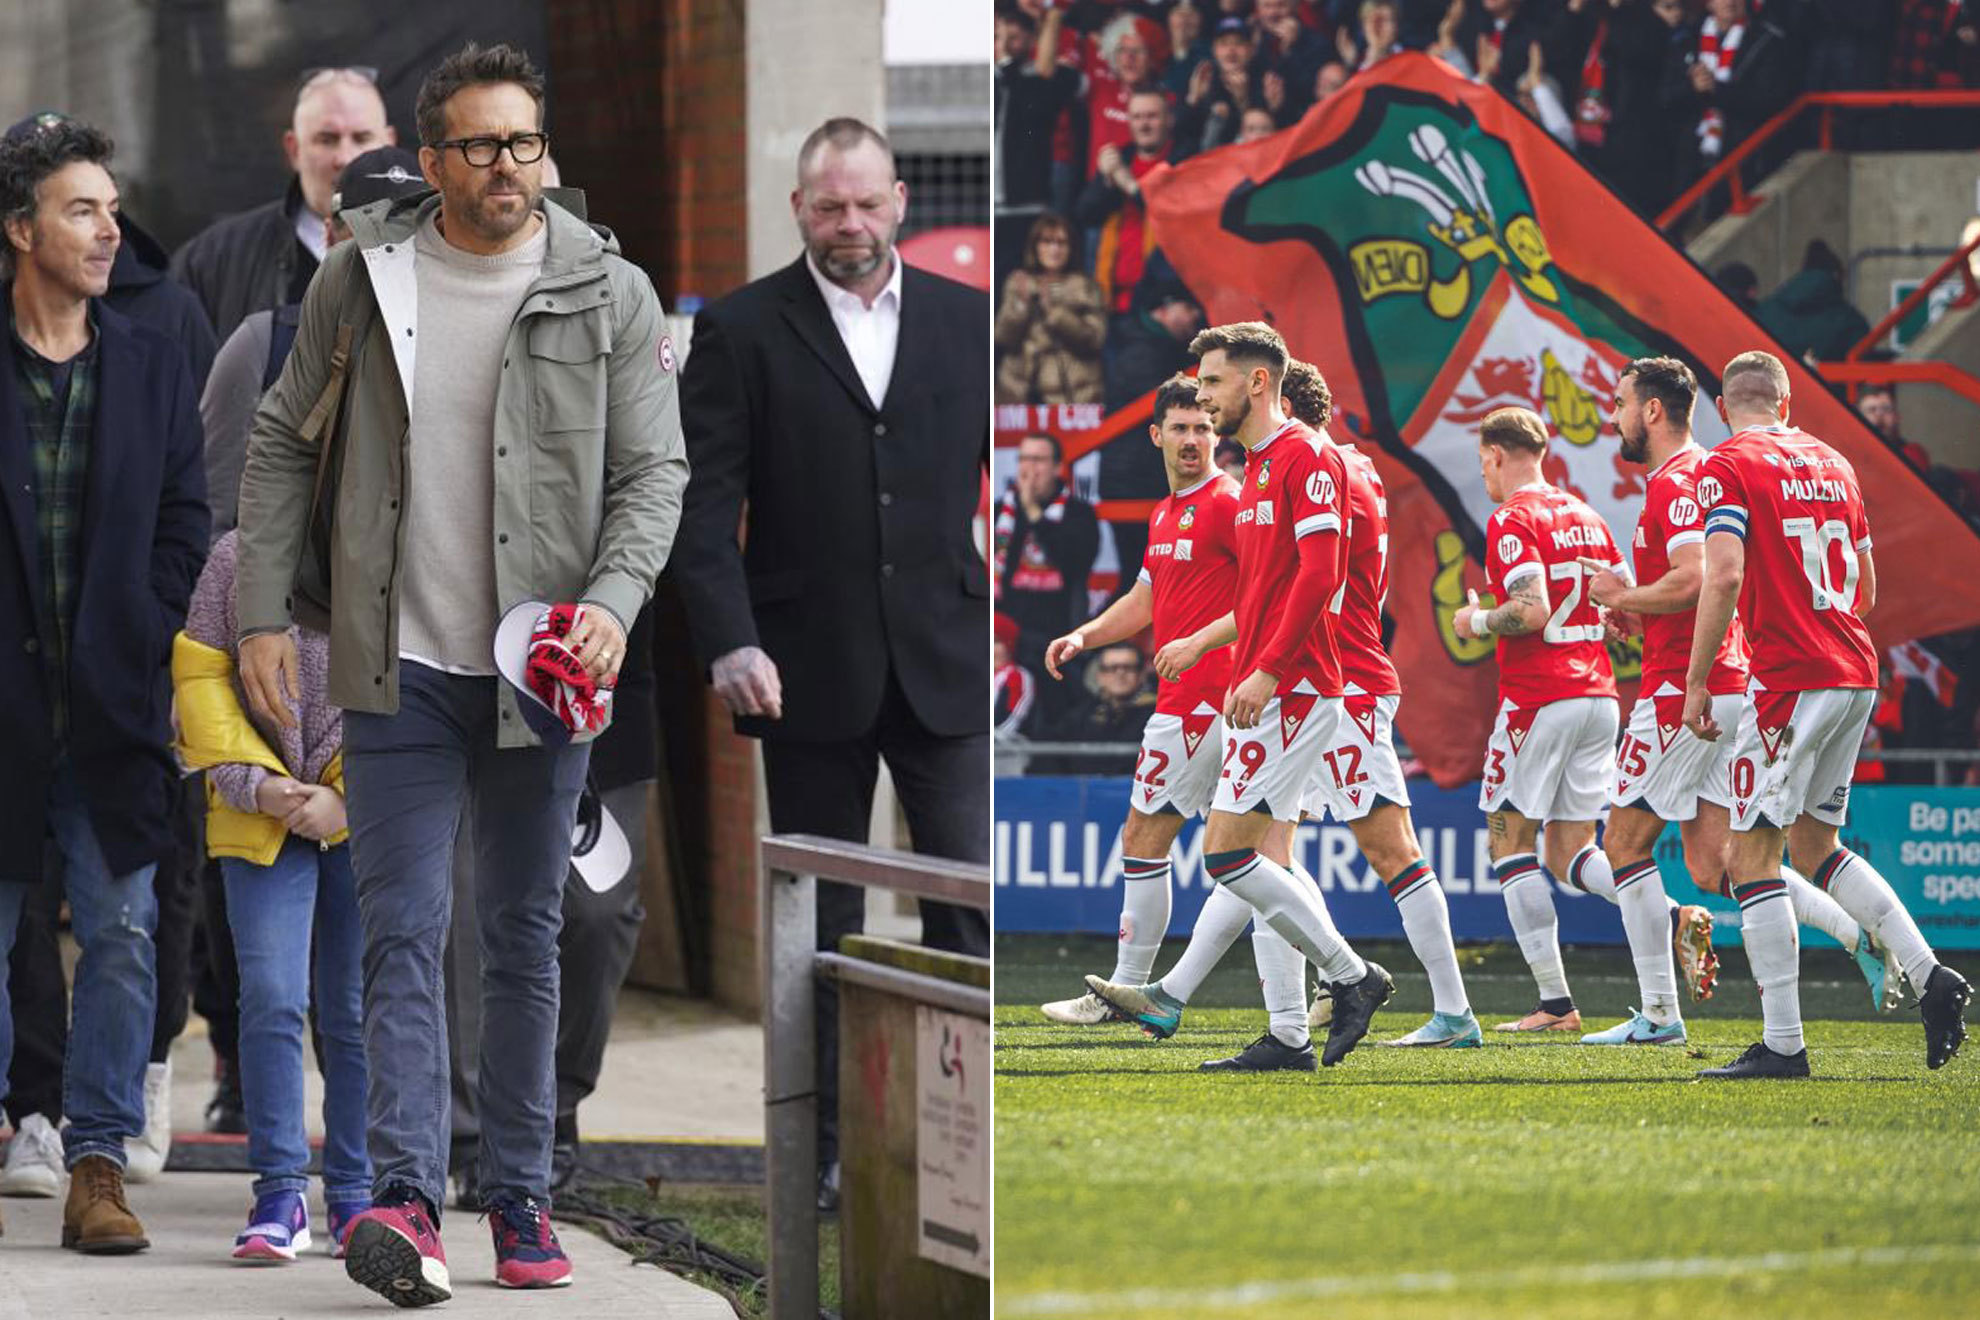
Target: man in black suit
[846,398]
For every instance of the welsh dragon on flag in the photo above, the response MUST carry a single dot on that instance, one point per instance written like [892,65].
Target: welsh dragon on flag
[1437,256]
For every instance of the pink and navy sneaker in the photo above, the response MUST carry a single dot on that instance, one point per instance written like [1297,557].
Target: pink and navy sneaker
[394,1249]
[277,1229]
[527,1254]
[338,1225]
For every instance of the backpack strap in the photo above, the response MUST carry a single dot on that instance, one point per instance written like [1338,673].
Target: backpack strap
[320,424]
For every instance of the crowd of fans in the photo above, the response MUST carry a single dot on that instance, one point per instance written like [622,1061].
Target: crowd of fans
[1091,95]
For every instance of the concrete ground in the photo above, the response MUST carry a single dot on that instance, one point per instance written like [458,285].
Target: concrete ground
[191,1219]
[675,1069]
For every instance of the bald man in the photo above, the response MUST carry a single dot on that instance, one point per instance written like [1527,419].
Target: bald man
[263,258]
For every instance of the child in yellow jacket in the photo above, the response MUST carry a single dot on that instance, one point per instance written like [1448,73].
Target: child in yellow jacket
[275,819]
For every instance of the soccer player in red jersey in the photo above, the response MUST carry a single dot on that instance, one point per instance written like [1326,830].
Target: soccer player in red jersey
[1360,779]
[1663,772]
[1286,667]
[1788,543]
[1188,578]
[1548,756]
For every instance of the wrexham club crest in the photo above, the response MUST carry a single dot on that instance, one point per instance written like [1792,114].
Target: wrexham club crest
[1188,519]
[1455,306]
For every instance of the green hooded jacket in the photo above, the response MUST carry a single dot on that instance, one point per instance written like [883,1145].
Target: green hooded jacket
[589,460]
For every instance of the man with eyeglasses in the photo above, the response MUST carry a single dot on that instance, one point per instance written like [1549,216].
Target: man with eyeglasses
[265,257]
[507,437]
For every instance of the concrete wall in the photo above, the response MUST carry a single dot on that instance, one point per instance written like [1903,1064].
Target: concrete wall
[1855,203]
[806,63]
[1945,423]
[1918,200]
[1805,199]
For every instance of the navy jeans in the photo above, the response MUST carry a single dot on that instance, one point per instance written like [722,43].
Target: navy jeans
[407,777]
[112,917]
[275,910]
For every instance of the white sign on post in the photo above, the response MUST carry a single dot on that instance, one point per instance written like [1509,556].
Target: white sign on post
[952,1099]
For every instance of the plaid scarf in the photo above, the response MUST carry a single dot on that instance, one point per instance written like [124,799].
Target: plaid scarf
[1716,53]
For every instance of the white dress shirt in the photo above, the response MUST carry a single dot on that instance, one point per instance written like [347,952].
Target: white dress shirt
[309,232]
[870,334]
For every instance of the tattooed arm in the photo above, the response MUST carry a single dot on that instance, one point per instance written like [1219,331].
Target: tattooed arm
[1525,610]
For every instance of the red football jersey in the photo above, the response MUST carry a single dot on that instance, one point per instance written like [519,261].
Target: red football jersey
[1672,517]
[1796,504]
[1294,486]
[1191,567]
[1364,664]
[1543,531]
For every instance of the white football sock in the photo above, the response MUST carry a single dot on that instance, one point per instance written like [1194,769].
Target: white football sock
[1144,918]
[1814,908]
[1282,976]
[1646,918]
[1305,877]
[1524,884]
[1773,949]
[1426,919]
[1222,919]
[1589,872]
[1868,897]
[1294,910]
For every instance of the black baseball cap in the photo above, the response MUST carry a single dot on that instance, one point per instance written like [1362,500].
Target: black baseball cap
[34,123]
[378,174]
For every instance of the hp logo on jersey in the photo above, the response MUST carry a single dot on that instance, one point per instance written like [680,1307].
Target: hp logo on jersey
[1710,492]
[1683,512]
[1320,489]
[1508,548]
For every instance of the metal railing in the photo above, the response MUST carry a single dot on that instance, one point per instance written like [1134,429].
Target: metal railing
[1728,171]
[792,866]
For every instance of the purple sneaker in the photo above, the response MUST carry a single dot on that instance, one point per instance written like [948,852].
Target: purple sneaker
[277,1230]
[527,1254]
[338,1227]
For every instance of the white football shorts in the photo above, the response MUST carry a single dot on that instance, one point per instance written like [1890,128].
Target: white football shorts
[1664,768]
[1358,766]
[1268,766]
[1177,768]
[1795,753]
[1550,762]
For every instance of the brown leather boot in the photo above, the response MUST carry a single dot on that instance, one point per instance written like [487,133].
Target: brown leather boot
[96,1220]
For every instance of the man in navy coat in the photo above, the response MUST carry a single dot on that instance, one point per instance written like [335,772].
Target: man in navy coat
[103,504]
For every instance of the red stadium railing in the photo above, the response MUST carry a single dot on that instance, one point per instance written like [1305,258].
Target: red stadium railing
[1856,375]
[1958,263]
[1728,172]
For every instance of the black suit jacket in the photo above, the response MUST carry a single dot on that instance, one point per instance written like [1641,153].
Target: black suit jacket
[144,524]
[858,558]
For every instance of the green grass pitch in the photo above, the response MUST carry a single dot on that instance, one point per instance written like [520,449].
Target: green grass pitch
[1536,1178]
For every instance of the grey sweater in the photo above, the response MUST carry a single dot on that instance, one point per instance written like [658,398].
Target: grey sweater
[447,606]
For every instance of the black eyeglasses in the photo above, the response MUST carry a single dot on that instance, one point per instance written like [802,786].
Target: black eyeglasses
[480,152]
[1120,667]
